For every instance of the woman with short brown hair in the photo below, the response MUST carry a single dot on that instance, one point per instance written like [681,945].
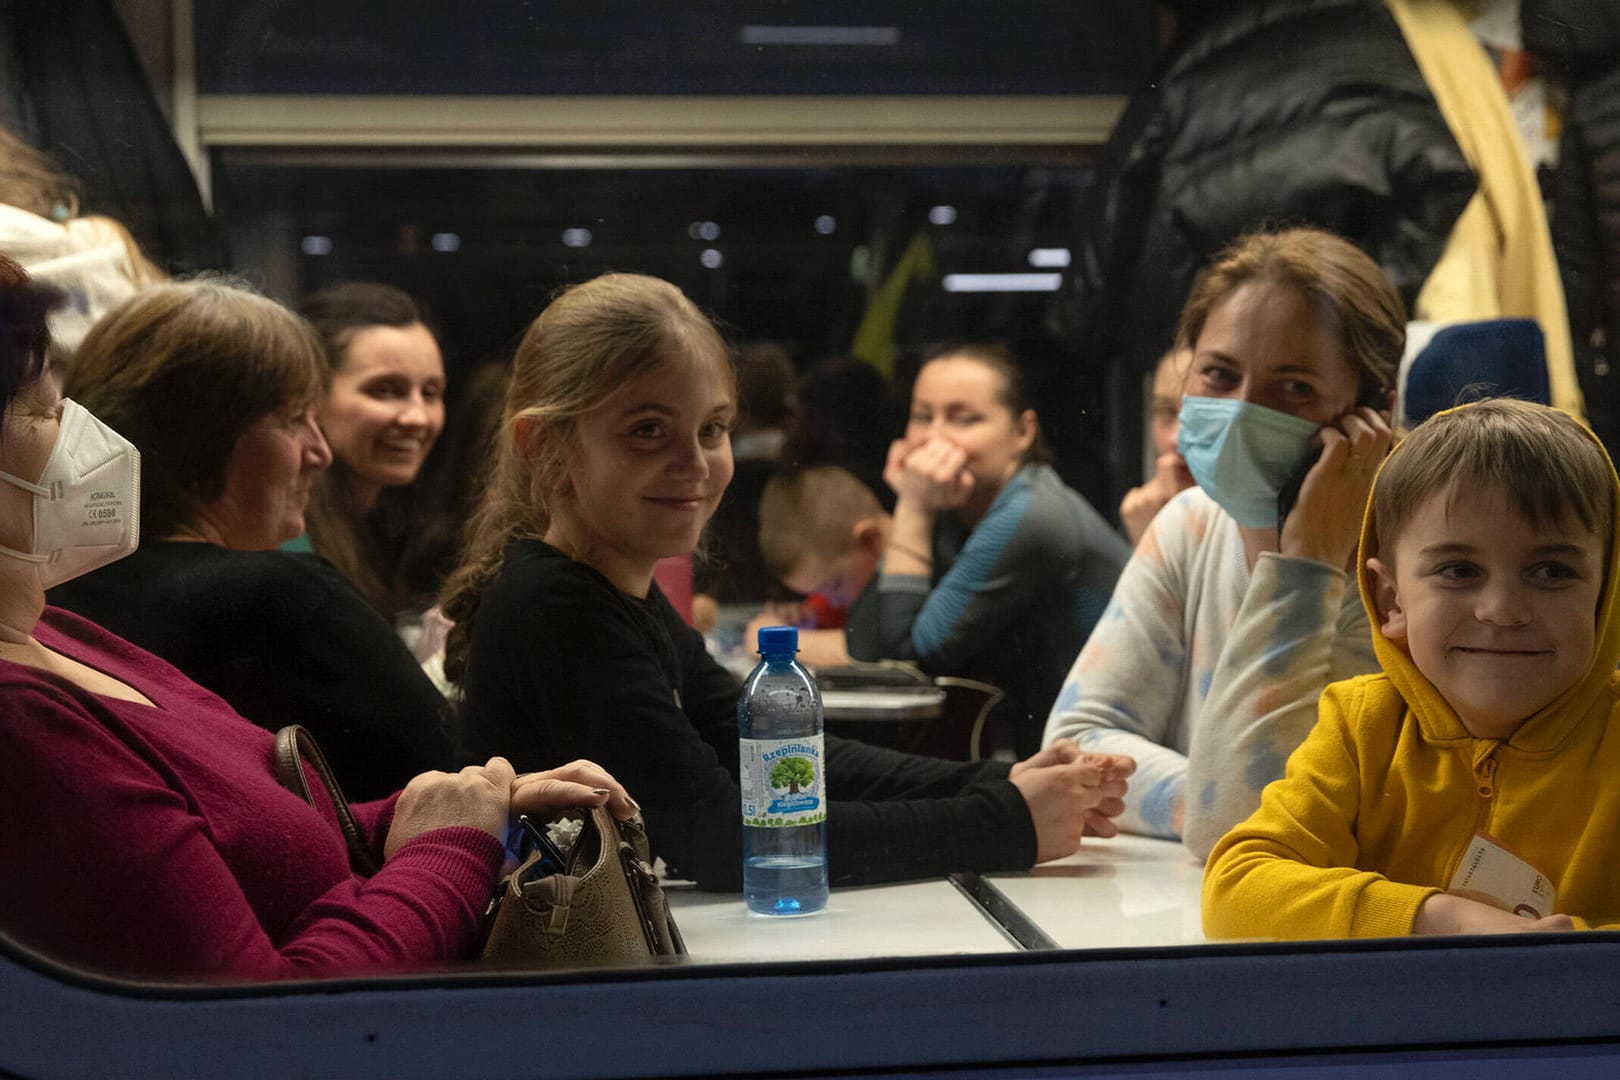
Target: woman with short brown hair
[143,831]
[218,387]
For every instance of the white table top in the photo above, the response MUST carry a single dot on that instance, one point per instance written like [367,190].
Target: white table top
[920,918]
[1128,890]
[880,704]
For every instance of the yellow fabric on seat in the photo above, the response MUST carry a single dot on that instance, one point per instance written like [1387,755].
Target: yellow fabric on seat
[1499,260]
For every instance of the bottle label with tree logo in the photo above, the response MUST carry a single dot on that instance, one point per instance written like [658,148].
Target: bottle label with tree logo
[782,782]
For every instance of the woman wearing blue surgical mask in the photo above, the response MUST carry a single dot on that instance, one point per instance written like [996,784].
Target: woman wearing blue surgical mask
[1231,616]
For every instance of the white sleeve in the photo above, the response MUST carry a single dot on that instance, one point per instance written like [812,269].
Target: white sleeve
[1124,693]
[1292,636]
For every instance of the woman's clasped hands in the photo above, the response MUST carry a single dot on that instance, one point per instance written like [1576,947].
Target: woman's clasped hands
[932,474]
[1070,794]
[490,795]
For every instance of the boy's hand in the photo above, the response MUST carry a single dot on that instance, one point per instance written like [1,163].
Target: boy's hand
[1444,913]
[1326,522]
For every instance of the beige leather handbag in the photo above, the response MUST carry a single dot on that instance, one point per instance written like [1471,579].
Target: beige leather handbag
[601,904]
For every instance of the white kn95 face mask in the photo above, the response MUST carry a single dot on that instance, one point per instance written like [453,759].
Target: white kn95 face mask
[87,503]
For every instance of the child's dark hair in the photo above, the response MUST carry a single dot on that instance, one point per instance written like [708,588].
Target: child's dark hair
[1551,469]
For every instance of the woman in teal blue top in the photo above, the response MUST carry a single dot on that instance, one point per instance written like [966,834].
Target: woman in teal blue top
[217,388]
[993,568]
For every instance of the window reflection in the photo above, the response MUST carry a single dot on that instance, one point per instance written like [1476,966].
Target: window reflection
[625,47]
[791,255]
[785,246]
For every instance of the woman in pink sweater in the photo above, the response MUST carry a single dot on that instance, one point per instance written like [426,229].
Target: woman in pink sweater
[142,831]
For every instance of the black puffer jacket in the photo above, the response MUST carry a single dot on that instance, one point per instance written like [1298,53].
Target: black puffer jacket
[1278,112]
[1579,40]
[1578,35]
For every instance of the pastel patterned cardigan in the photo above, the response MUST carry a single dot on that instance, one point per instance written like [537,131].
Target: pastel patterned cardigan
[1208,673]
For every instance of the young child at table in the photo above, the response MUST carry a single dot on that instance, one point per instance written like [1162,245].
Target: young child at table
[1469,788]
[822,533]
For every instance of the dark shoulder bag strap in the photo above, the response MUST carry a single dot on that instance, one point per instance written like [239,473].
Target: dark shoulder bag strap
[294,746]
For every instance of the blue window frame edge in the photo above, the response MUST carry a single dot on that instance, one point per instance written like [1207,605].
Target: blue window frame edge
[1029,1009]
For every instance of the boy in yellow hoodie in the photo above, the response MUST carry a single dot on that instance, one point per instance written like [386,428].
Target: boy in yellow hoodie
[1471,787]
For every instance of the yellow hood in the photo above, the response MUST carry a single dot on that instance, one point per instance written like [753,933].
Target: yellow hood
[1548,728]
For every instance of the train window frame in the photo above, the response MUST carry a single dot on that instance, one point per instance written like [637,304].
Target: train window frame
[1350,1004]
[1169,1005]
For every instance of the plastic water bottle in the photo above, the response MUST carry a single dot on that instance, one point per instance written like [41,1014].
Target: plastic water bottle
[784,792]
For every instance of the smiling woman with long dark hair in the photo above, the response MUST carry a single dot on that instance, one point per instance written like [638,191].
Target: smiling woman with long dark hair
[382,412]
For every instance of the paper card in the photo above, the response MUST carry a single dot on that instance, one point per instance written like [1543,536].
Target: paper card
[1492,874]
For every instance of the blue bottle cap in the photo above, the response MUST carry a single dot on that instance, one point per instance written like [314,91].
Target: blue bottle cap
[776,640]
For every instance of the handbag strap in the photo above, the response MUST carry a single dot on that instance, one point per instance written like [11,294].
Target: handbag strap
[652,906]
[294,746]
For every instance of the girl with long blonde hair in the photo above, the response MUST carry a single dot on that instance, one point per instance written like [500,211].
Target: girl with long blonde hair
[613,451]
